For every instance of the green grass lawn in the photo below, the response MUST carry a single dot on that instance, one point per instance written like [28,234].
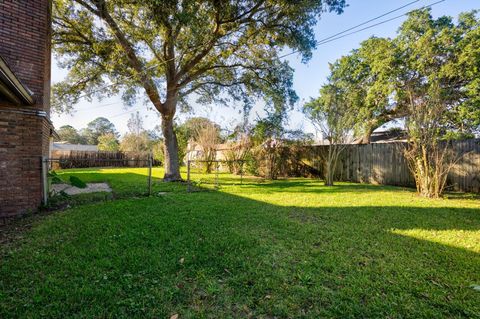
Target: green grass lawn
[283,249]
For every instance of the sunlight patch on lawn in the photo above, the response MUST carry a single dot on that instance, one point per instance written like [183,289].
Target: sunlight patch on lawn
[459,238]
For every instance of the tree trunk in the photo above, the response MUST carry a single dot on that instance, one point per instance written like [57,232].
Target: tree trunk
[329,166]
[172,163]
[366,138]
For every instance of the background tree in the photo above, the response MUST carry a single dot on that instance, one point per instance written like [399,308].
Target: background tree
[427,76]
[69,134]
[135,142]
[155,144]
[98,127]
[220,51]
[108,142]
[433,92]
[187,132]
[137,139]
[135,124]
[331,114]
[268,137]
[207,136]
[238,148]
[383,76]
[267,148]
[364,77]
[157,151]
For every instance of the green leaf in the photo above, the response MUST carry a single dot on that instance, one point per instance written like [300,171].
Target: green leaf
[77,182]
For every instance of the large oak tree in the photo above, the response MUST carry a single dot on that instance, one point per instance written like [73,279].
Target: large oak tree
[383,78]
[428,76]
[176,51]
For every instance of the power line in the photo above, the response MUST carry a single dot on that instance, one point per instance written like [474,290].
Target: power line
[124,113]
[379,23]
[128,77]
[334,35]
[326,40]
[130,111]
[368,21]
[99,106]
[363,29]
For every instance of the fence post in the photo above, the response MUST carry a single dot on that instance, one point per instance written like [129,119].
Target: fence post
[216,175]
[45,179]
[188,177]
[149,174]
[241,172]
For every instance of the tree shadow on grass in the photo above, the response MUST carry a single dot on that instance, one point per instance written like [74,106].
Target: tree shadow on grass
[215,254]
[316,186]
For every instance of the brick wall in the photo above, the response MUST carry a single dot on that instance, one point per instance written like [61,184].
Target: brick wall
[25,33]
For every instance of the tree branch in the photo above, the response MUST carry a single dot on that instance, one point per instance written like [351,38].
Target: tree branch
[132,58]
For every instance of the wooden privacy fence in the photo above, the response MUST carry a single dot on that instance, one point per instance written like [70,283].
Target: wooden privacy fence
[81,159]
[385,163]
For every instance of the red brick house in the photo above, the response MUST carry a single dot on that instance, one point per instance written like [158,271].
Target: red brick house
[25,127]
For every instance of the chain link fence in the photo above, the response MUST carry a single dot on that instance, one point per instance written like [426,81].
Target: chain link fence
[58,183]
[212,174]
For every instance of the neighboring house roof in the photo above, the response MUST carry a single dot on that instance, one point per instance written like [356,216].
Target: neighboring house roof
[388,136]
[64,146]
[325,141]
[54,133]
[12,88]
[321,143]
[194,151]
[194,147]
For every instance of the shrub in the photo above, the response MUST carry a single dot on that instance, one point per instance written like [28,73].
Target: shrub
[77,182]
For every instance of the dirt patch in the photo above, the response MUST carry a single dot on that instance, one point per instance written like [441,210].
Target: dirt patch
[72,190]
[306,217]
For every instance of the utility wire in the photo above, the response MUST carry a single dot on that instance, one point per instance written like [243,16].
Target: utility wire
[98,106]
[368,21]
[128,77]
[379,23]
[363,29]
[127,112]
[322,40]
[326,40]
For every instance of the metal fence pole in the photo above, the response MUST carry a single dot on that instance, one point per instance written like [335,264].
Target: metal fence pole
[216,175]
[45,179]
[149,174]
[188,177]
[241,172]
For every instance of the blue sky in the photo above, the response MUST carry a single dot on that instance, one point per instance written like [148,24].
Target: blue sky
[307,78]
